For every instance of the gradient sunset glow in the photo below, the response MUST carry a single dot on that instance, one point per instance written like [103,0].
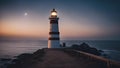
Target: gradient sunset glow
[78,19]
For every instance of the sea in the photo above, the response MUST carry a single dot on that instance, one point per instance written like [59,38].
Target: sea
[10,48]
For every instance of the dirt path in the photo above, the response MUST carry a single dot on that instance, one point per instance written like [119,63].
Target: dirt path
[57,59]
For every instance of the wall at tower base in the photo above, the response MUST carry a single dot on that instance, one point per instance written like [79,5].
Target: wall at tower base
[53,44]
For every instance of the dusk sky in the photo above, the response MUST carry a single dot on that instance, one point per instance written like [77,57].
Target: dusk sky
[79,19]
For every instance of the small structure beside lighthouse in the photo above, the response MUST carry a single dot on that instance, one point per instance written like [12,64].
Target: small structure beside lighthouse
[54,40]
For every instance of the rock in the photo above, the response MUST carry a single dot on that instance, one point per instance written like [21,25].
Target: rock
[24,56]
[94,51]
[75,46]
[86,48]
[15,60]
[40,51]
[5,59]
[84,45]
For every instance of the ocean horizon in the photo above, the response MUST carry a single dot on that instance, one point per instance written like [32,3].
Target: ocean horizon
[9,48]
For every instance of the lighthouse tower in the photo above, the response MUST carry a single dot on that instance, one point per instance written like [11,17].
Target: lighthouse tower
[54,40]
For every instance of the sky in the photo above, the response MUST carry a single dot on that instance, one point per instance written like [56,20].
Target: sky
[79,19]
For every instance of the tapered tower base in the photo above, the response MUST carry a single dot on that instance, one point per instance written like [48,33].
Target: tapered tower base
[53,44]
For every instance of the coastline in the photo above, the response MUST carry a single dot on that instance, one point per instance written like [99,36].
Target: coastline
[30,60]
[26,56]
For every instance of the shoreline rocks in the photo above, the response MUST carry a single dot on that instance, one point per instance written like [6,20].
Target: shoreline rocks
[26,59]
[86,48]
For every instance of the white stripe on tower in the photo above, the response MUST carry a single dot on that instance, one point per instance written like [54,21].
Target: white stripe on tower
[54,40]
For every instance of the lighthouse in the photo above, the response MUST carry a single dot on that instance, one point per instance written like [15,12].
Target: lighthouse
[54,40]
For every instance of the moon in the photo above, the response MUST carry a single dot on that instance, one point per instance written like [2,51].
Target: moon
[25,14]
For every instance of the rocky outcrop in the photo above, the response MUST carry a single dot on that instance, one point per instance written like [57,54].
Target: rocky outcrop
[26,59]
[86,48]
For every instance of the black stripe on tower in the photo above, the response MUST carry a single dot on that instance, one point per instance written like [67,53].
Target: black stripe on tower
[54,22]
[54,32]
[54,38]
